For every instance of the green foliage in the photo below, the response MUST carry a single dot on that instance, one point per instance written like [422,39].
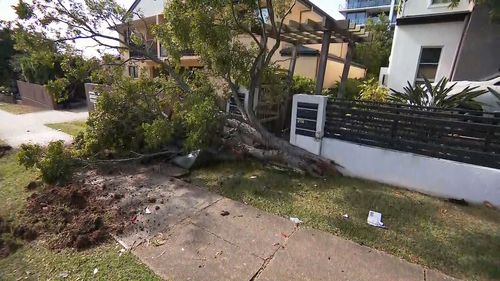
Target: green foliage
[438,95]
[7,52]
[23,10]
[303,85]
[57,89]
[200,116]
[352,89]
[158,133]
[55,162]
[118,120]
[375,54]
[145,115]
[372,91]
[42,61]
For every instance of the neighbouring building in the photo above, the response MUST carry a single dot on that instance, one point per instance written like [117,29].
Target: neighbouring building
[359,11]
[433,40]
[308,56]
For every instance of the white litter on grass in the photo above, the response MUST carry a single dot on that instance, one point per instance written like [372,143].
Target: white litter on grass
[346,216]
[375,219]
[96,270]
[63,275]
[296,220]
[121,252]
[253,177]
[148,211]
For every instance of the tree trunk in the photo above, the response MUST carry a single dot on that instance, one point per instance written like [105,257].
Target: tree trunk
[256,141]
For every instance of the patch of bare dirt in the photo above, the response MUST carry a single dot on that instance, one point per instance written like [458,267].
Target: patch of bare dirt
[97,204]
[76,216]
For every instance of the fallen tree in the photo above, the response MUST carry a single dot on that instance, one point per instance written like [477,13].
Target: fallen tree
[213,29]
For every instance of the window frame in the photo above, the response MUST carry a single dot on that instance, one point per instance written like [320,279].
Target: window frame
[135,73]
[421,80]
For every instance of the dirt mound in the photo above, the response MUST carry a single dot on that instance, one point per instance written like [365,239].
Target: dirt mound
[76,216]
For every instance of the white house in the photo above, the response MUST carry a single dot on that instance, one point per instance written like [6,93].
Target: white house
[433,40]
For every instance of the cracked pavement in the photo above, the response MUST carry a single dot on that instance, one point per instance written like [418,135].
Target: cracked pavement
[199,235]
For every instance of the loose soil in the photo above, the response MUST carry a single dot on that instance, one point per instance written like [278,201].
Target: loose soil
[86,212]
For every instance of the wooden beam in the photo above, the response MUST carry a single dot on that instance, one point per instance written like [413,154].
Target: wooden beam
[345,71]
[323,60]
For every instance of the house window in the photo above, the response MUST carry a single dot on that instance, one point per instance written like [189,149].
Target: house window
[132,71]
[428,65]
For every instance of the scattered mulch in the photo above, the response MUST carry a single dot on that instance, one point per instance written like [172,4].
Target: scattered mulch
[75,216]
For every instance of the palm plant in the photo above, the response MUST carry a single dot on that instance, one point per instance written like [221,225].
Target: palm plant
[495,94]
[437,95]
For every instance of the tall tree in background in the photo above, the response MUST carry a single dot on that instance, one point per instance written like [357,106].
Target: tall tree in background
[375,53]
[7,52]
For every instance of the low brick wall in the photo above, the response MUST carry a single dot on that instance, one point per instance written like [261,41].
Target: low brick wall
[35,95]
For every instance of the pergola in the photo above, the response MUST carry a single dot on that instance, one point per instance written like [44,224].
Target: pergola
[318,27]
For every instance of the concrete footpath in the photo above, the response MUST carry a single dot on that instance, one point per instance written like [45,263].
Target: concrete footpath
[197,235]
[30,127]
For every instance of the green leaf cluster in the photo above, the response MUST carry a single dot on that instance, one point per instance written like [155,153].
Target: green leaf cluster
[55,162]
[438,95]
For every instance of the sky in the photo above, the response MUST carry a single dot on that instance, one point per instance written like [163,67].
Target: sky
[7,14]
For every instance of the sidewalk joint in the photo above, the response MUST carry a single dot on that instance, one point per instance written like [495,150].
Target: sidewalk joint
[270,258]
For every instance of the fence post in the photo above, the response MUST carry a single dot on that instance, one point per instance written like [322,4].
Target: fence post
[308,122]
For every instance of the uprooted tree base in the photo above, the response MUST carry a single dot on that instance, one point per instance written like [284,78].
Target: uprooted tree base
[265,146]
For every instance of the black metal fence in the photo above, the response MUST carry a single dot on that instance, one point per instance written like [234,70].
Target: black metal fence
[459,135]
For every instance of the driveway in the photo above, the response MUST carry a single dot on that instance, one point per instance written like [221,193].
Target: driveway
[30,128]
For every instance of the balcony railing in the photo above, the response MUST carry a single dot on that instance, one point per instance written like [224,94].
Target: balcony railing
[150,46]
[367,3]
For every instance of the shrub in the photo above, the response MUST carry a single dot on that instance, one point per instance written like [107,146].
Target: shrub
[372,91]
[303,85]
[55,162]
[352,89]
[438,95]
[57,89]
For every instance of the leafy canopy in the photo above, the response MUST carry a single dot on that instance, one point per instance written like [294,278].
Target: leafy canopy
[375,54]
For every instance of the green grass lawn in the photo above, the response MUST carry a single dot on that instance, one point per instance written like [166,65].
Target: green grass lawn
[462,241]
[18,108]
[72,128]
[34,261]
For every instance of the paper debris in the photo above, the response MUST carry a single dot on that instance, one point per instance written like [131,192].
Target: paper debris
[375,219]
[96,270]
[296,221]
[148,211]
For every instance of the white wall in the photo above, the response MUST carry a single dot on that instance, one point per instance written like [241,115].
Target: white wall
[425,7]
[438,177]
[407,44]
